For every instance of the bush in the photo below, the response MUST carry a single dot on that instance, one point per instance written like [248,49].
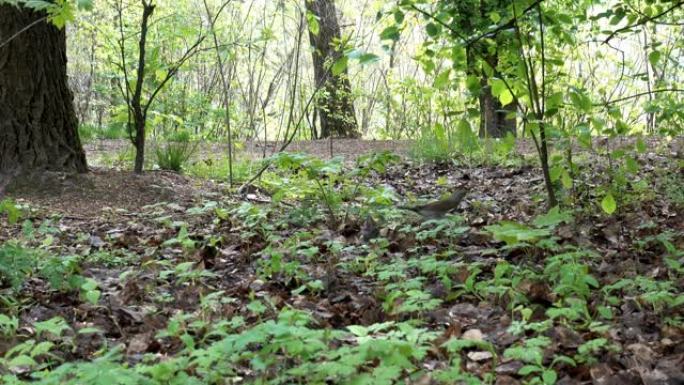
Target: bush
[217,169]
[433,145]
[173,155]
[463,145]
[113,131]
[122,158]
[87,132]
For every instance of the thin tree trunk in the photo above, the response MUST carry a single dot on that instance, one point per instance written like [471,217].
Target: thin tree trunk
[139,117]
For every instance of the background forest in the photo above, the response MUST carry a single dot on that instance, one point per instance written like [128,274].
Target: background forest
[405,78]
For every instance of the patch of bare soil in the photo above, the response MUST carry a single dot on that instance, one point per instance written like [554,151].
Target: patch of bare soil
[91,194]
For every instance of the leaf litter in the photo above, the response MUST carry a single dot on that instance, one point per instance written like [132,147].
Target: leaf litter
[167,251]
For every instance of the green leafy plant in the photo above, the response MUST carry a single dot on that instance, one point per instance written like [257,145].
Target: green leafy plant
[515,233]
[11,210]
[531,352]
[174,155]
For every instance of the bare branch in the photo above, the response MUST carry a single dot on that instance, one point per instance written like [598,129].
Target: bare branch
[638,96]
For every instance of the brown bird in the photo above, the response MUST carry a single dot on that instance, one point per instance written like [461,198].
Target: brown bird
[437,209]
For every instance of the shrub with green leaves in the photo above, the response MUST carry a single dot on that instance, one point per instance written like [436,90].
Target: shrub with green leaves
[18,263]
[11,210]
[217,168]
[173,155]
[434,144]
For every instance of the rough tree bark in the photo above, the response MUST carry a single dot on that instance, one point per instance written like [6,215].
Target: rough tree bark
[335,108]
[38,124]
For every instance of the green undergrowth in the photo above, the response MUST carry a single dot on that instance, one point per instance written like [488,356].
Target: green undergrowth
[217,168]
[462,146]
[525,281]
[88,132]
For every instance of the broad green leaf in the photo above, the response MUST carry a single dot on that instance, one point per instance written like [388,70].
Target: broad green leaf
[632,165]
[608,204]
[358,330]
[498,86]
[513,233]
[549,377]
[473,84]
[495,17]
[442,79]
[312,21]
[553,218]
[432,29]
[529,369]
[92,296]
[617,19]
[340,66]
[566,179]
[368,58]
[505,97]
[85,4]
[160,75]
[555,172]
[654,58]
[390,33]
[580,101]
[398,16]
[22,361]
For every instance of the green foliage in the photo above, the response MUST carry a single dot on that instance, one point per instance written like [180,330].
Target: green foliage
[217,166]
[462,145]
[18,263]
[570,275]
[11,210]
[86,132]
[122,158]
[288,351]
[532,353]
[113,131]
[515,233]
[89,132]
[59,13]
[435,144]
[173,155]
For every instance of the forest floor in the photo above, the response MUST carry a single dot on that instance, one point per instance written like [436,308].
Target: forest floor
[172,268]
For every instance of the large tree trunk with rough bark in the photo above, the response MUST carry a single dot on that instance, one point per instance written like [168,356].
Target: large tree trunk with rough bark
[38,124]
[335,106]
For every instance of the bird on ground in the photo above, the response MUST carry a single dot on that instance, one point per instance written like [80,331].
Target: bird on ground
[438,208]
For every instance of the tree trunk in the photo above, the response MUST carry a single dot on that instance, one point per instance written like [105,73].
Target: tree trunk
[493,116]
[140,111]
[335,107]
[38,124]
